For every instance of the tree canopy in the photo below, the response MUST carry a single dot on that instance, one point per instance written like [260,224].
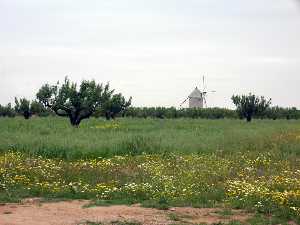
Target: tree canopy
[250,105]
[22,107]
[116,104]
[75,102]
[7,110]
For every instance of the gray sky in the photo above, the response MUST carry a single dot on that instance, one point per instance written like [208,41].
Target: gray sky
[156,51]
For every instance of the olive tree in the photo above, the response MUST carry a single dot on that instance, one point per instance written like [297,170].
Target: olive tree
[115,105]
[73,101]
[7,111]
[250,105]
[37,108]
[22,107]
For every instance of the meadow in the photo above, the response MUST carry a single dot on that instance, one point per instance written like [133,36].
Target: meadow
[159,163]
[53,137]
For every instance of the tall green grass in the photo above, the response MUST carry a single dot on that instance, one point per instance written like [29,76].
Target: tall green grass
[54,137]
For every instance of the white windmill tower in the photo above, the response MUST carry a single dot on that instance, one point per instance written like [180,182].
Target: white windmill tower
[197,99]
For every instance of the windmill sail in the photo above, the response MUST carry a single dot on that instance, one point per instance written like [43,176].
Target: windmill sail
[184,101]
[197,99]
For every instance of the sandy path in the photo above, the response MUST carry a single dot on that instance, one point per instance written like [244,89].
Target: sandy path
[73,213]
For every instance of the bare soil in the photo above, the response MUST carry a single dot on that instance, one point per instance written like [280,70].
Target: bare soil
[33,212]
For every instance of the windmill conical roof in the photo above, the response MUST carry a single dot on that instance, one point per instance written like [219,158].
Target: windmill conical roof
[196,93]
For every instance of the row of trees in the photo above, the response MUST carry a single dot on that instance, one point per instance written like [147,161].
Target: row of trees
[78,103]
[210,113]
[72,101]
[7,110]
[25,108]
[38,109]
[172,112]
[163,112]
[247,106]
[92,99]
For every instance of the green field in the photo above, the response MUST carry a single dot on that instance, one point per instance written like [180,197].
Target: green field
[159,163]
[54,137]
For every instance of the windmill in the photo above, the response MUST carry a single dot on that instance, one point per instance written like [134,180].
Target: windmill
[197,99]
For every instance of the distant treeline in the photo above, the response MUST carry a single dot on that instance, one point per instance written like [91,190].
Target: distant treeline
[208,113]
[172,112]
[37,109]
[167,113]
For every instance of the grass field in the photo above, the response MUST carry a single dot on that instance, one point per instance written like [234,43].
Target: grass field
[54,137]
[200,163]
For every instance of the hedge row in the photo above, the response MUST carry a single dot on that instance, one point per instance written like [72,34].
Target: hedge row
[172,113]
[208,113]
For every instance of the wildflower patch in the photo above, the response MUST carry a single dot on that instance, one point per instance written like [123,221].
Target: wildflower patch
[261,182]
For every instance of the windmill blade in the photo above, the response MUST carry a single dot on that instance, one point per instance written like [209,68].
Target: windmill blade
[203,83]
[184,101]
[204,99]
[205,102]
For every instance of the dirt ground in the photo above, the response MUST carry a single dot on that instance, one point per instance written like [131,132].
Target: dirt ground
[33,212]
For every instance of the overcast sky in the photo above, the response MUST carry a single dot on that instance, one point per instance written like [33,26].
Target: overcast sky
[153,50]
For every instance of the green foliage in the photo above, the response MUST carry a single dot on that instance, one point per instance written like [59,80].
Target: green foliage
[103,202]
[281,113]
[259,219]
[174,217]
[235,222]
[115,105]
[53,137]
[27,109]
[225,212]
[161,203]
[250,105]
[23,107]
[75,103]
[209,113]
[7,111]
[38,109]
[172,113]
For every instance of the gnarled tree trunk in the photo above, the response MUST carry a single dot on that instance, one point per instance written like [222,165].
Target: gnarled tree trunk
[77,116]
